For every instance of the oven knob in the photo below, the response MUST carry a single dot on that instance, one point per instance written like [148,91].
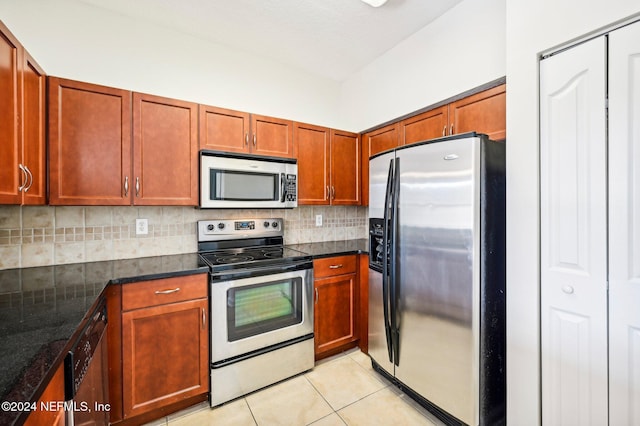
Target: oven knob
[266,224]
[210,227]
[274,224]
[221,225]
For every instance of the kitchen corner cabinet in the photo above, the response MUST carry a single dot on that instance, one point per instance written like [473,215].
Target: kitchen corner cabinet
[95,160]
[336,311]
[22,124]
[235,131]
[160,359]
[328,165]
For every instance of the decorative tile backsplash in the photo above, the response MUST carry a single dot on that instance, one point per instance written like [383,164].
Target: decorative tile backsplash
[45,235]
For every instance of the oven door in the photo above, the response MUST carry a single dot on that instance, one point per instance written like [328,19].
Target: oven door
[250,314]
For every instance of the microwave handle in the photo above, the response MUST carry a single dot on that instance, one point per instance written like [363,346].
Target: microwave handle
[282,188]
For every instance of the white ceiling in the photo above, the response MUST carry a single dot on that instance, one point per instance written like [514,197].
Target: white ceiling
[331,38]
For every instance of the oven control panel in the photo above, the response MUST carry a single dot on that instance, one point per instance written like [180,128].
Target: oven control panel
[229,229]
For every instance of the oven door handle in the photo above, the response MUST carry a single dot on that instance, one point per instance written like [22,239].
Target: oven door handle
[294,266]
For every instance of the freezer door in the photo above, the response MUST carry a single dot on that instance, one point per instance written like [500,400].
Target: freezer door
[379,316]
[378,349]
[437,275]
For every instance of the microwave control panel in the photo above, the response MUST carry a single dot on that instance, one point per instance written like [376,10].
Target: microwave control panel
[290,188]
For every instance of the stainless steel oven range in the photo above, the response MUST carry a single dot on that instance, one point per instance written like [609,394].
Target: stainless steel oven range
[261,305]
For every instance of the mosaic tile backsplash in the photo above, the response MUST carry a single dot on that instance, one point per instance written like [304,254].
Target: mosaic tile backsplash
[45,235]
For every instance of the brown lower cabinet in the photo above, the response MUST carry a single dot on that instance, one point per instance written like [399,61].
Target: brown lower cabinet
[54,392]
[159,362]
[336,322]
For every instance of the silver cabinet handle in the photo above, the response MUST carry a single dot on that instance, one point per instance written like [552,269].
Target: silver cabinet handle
[254,139]
[126,186]
[451,131]
[30,175]
[137,186]
[24,177]
[173,290]
[333,192]
[335,266]
[204,319]
[444,130]
[246,138]
[328,193]
[316,296]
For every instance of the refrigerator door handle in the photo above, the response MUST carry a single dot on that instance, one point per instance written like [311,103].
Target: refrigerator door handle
[388,197]
[394,288]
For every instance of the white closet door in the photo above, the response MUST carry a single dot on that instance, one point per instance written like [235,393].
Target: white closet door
[573,263]
[624,221]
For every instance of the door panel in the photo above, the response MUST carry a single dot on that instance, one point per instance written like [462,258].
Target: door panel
[10,176]
[377,337]
[428,125]
[224,129]
[345,168]
[573,236]
[439,274]
[312,151]
[165,151]
[624,226]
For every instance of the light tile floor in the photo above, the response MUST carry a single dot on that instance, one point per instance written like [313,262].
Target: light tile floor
[342,390]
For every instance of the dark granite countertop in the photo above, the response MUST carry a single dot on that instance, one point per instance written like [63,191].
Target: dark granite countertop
[333,248]
[41,309]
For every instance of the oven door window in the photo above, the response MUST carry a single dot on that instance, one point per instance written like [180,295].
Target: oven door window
[263,307]
[232,185]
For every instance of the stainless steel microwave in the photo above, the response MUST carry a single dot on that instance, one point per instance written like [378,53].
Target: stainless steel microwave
[229,180]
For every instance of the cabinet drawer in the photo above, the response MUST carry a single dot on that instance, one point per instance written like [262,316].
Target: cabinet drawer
[331,266]
[163,291]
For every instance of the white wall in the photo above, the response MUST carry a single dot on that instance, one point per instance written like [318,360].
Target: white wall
[533,27]
[74,40]
[462,49]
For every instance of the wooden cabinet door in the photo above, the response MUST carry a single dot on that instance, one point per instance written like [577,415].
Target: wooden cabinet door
[428,125]
[11,178]
[33,131]
[573,235]
[484,112]
[335,320]
[312,150]
[89,144]
[164,355]
[165,154]
[345,168]
[271,136]
[224,129]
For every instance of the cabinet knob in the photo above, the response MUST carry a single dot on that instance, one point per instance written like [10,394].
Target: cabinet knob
[567,289]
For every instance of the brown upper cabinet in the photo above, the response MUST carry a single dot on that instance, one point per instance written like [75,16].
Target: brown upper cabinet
[328,165]
[374,142]
[22,124]
[235,131]
[165,151]
[93,160]
[483,112]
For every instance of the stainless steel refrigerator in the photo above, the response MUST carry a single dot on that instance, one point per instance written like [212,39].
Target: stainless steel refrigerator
[437,275]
